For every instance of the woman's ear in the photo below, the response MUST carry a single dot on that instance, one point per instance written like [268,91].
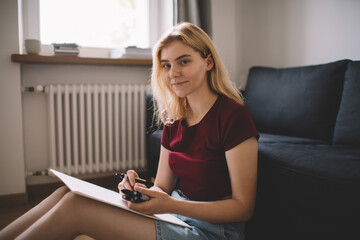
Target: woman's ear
[209,62]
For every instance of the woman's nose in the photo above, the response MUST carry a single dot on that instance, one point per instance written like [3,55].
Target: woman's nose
[174,72]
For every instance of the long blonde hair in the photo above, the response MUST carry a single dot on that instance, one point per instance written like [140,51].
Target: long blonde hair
[170,107]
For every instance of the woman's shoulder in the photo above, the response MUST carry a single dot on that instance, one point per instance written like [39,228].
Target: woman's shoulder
[236,123]
[229,106]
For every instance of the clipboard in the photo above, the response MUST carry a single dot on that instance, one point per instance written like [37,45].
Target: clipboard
[110,197]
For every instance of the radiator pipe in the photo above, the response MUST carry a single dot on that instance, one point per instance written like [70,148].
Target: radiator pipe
[43,172]
[37,89]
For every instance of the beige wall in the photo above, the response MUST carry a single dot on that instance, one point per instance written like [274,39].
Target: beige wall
[12,179]
[224,25]
[283,33]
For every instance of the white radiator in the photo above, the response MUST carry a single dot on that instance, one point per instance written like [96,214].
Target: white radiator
[96,128]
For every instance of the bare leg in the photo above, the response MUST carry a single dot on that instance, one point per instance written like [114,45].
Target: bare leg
[19,225]
[75,215]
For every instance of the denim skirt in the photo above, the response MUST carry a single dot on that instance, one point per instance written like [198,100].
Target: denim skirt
[200,229]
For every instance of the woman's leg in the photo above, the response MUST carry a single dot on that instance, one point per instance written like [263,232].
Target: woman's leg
[75,215]
[19,225]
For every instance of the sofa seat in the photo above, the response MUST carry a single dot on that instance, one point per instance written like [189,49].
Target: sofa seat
[314,177]
[337,163]
[305,190]
[274,138]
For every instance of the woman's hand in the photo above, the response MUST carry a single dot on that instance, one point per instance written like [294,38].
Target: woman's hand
[128,182]
[159,201]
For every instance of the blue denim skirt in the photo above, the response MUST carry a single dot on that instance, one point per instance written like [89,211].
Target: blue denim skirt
[200,229]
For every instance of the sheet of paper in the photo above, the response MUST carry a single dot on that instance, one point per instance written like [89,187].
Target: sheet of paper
[101,194]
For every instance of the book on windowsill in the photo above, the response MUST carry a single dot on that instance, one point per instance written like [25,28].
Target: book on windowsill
[69,49]
[107,196]
[135,52]
[66,52]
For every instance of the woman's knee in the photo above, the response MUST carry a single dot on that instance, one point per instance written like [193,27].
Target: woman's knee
[72,202]
[70,198]
[61,190]
[59,193]
[56,196]
[66,206]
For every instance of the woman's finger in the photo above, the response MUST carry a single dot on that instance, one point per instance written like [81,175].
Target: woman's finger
[127,185]
[144,190]
[131,175]
[140,185]
[120,186]
[124,184]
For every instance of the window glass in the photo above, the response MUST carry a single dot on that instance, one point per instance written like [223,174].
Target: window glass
[95,23]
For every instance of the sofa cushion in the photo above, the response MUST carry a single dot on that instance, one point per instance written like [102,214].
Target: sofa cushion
[272,138]
[347,127]
[312,177]
[300,101]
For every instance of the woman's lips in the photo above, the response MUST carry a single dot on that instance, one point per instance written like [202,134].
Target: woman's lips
[177,84]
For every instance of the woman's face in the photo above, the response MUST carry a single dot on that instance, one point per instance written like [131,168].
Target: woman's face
[184,69]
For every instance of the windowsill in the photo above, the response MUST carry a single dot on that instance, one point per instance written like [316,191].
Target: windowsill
[28,58]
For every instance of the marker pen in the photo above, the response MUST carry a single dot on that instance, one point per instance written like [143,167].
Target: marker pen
[135,196]
[138,196]
[148,184]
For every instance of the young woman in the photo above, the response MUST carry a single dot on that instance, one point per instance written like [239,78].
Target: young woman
[208,162]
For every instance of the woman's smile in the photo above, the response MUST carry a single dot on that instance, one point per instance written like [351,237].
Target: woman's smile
[179,83]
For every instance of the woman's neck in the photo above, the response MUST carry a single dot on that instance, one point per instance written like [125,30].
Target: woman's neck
[199,105]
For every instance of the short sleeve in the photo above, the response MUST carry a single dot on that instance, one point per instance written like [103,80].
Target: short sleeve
[238,127]
[165,137]
[168,135]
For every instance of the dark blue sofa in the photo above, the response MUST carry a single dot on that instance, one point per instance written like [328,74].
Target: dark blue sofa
[309,150]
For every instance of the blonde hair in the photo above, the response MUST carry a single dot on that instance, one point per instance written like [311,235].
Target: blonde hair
[170,107]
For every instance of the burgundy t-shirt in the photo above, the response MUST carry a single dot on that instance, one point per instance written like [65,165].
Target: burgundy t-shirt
[197,153]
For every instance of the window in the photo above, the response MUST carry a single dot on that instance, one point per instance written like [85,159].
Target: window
[97,23]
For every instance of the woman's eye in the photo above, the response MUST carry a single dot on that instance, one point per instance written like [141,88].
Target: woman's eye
[183,62]
[166,66]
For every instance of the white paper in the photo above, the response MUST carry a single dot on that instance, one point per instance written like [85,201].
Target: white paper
[113,198]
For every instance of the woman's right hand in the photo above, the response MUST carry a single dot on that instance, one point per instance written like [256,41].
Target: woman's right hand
[128,182]
[160,201]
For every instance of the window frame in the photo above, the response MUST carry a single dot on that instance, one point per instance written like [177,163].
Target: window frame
[160,20]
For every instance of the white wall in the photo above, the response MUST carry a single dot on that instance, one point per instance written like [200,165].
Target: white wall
[12,178]
[224,26]
[283,33]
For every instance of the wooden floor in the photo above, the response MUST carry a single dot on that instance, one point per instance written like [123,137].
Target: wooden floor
[10,213]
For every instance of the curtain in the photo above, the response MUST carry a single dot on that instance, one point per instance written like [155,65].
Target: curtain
[197,12]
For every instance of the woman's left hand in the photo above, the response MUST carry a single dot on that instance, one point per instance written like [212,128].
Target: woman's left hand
[159,201]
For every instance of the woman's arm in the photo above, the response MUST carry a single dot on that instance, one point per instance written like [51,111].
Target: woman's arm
[242,164]
[165,179]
